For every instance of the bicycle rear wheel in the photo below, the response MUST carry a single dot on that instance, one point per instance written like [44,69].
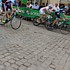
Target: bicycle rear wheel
[15,23]
[64,29]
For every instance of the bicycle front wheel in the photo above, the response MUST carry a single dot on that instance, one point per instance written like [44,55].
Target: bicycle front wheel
[15,23]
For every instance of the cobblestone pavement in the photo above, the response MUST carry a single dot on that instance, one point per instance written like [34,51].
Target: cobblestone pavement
[33,48]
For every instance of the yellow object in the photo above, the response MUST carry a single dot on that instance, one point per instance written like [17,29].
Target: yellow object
[3,21]
[9,17]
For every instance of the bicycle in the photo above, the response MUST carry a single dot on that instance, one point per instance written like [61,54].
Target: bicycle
[43,21]
[15,22]
[63,25]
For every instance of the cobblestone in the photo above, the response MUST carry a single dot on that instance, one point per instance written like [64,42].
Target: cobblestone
[22,67]
[11,61]
[33,48]
[7,64]
[14,66]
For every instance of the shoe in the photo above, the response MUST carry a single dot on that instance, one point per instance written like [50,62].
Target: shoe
[3,21]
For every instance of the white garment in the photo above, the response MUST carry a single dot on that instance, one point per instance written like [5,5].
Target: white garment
[29,6]
[56,8]
[9,0]
[43,10]
[35,7]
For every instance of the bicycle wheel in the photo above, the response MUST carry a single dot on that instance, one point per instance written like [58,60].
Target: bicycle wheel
[35,21]
[15,23]
[47,25]
[64,29]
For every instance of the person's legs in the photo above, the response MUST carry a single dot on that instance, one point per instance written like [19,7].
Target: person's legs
[55,21]
[0,10]
[43,18]
[12,11]
[3,7]
[9,13]
[39,19]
